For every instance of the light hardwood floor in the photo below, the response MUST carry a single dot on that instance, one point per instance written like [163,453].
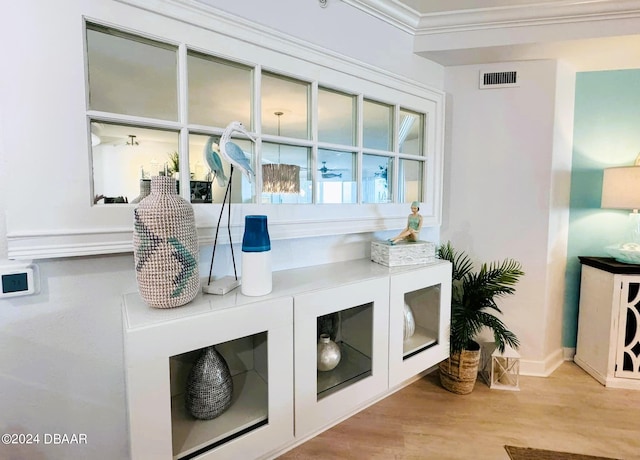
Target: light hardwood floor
[568,411]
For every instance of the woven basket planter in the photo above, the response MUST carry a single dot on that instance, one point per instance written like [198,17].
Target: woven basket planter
[165,246]
[459,372]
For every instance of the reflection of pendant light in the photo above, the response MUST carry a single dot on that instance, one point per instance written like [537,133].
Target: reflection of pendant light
[280,178]
[132,140]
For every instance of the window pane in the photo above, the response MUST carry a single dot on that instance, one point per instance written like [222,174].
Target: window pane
[410,179]
[378,121]
[289,155]
[336,177]
[124,155]
[411,132]
[219,91]
[290,98]
[131,75]
[377,172]
[336,117]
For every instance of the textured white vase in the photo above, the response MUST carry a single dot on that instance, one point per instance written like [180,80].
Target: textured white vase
[165,247]
[409,322]
[328,353]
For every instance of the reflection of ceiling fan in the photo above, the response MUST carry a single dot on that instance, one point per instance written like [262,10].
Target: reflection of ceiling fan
[326,172]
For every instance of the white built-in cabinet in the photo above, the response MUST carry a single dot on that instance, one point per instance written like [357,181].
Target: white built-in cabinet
[270,344]
[608,345]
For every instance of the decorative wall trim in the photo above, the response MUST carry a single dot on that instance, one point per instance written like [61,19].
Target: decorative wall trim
[532,14]
[569,353]
[72,243]
[390,11]
[543,368]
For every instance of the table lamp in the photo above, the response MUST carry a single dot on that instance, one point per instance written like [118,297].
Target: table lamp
[621,190]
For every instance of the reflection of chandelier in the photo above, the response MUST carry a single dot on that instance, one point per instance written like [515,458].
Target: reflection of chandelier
[280,178]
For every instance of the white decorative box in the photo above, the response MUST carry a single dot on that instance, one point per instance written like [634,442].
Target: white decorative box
[403,253]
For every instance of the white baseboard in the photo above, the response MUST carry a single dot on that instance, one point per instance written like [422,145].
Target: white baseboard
[545,367]
[569,353]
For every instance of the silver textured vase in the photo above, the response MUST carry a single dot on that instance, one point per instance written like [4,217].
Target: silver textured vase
[328,353]
[409,322]
[209,386]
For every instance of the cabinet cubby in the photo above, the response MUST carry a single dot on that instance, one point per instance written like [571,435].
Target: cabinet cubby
[363,309]
[427,292]
[353,335]
[247,361]
[254,338]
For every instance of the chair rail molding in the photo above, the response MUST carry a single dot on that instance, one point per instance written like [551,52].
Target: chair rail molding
[27,245]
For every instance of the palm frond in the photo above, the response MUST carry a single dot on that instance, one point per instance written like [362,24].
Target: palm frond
[501,334]
[474,295]
[461,263]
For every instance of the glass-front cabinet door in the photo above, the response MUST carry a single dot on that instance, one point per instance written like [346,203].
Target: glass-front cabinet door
[419,319]
[199,390]
[341,347]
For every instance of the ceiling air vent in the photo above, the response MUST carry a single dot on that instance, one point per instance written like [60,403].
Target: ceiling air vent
[498,79]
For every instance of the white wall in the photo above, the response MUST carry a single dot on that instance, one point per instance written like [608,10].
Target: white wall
[342,29]
[61,364]
[506,195]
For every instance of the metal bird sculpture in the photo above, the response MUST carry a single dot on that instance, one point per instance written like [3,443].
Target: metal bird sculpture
[213,160]
[233,153]
[236,157]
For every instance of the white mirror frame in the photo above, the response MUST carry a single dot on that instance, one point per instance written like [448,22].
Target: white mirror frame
[59,220]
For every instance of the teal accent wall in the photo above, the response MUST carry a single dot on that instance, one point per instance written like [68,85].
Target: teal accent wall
[606,133]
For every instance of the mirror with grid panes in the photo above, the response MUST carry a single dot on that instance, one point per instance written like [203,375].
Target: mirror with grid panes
[138,98]
[348,148]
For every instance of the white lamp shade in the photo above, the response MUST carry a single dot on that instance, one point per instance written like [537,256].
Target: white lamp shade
[621,188]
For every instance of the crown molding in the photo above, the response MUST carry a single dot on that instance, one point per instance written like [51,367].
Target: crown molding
[391,11]
[528,15]
[532,14]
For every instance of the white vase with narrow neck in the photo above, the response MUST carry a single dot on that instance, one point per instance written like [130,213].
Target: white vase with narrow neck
[409,322]
[328,353]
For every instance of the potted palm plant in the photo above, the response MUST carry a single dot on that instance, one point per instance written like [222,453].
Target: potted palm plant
[473,301]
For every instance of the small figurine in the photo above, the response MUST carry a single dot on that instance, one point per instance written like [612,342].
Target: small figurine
[414,224]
